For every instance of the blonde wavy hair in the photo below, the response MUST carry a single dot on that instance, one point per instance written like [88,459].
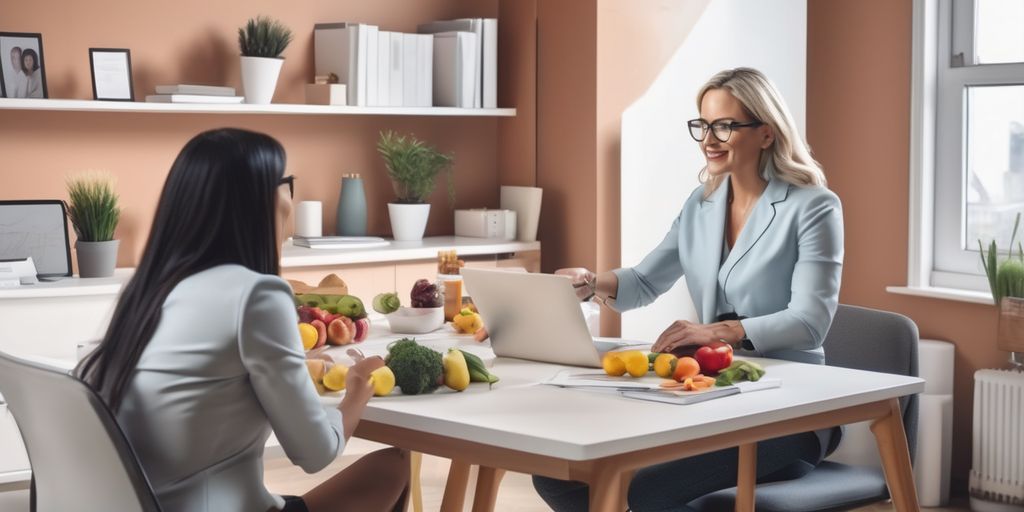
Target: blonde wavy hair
[789,153]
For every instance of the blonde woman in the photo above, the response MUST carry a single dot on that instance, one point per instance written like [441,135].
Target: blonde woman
[760,244]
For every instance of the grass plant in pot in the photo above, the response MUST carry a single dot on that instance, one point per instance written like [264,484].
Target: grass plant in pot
[1006,280]
[94,213]
[261,41]
[413,167]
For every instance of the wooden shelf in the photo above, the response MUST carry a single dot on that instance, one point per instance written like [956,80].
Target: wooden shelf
[275,108]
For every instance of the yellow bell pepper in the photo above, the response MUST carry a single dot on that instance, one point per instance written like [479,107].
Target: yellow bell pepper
[467,322]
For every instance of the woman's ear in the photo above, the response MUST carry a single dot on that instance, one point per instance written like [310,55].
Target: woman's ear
[768,137]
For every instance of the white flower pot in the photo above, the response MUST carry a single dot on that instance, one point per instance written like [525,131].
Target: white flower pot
[259,78]
[408,221]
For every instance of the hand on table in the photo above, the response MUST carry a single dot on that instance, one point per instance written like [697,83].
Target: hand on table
[684,337]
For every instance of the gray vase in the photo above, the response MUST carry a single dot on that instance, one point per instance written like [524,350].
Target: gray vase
[96,259]
[351,207]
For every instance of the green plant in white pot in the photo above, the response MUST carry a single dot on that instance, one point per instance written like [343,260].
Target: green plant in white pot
[1006,280]
[261,42]
[413,167]
[94,213]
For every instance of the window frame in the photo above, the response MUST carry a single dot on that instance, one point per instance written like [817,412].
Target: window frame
[936,258]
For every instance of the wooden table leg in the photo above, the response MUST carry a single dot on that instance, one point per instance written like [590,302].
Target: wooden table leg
[415,487]
[486,495]
[455,488]
[746,478]
[606,489]
[892,446]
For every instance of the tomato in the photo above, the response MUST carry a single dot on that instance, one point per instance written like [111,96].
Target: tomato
[714,357]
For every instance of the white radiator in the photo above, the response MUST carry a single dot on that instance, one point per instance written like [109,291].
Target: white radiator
[997,469]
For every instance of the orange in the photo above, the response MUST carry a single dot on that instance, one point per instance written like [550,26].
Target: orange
[686,367]
[613,365]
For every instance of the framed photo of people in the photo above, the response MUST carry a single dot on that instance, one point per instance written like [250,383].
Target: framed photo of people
[22,66]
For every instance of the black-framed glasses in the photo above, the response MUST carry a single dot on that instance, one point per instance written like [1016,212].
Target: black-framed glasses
[722,128]
[290,180]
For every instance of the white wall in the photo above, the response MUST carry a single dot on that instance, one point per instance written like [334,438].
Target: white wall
[660,161]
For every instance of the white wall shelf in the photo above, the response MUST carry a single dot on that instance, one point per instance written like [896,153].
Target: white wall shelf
[274,108]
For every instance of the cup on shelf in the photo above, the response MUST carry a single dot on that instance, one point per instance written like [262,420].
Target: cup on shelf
[309,219]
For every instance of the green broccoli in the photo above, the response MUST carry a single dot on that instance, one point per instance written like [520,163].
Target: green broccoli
[417,369]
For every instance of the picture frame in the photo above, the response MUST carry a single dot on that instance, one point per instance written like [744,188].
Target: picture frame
[111,71]
[22,48]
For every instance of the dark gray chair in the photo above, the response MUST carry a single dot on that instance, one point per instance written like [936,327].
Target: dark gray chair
[80,458]
[862,339]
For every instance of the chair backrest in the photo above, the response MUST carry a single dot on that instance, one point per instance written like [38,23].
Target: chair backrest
[878,341]
[81,460]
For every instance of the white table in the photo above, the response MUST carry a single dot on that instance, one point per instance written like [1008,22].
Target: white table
[602,439]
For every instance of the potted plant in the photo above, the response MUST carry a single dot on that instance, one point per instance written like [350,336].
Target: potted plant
[94,213]
[413,167]
[1006,280]
[261,42]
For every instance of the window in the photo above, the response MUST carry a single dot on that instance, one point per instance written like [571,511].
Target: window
[978,135]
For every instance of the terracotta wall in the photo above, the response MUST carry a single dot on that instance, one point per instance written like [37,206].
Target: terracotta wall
[195,42]
[858,124]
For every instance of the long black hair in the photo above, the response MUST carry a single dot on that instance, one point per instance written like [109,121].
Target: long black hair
[217,207]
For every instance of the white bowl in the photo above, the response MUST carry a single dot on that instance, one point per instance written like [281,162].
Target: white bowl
[416,320]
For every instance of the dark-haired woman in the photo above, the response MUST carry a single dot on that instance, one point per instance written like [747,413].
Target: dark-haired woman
[202,358]
[30,67]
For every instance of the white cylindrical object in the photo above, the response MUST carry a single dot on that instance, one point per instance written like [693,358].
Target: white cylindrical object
[259,78]
[525,201]
[933,455]
[935,422]
[935,366]
[309,219]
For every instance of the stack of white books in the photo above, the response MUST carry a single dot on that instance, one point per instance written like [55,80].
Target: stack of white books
[379,68]
[184,93]
[449,63]
[465,62]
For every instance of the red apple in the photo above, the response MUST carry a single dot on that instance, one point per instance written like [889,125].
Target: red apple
[306,314]
[713,357]
[322,315]
[340,331]
[362,329]
[321,331]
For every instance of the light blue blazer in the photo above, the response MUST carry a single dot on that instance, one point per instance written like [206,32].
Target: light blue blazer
[783,272]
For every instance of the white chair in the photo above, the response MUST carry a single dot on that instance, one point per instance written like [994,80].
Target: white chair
[80,458]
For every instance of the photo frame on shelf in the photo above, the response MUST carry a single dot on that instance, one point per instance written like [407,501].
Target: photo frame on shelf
[111,70]
[22,65]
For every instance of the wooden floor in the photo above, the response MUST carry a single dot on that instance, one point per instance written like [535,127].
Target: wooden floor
[516,493]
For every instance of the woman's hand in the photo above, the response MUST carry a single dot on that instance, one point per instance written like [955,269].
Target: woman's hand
[357,383]
[358,389]
[682,334]
[583,281]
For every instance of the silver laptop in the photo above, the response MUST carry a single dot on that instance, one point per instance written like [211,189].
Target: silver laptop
[535,317]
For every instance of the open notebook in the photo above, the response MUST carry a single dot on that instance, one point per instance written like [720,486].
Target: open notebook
[649,387]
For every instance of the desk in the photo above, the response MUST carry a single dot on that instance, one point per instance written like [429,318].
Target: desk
[602,438]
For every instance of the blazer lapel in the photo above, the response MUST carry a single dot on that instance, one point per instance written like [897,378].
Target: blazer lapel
[758,222]
[712,212]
